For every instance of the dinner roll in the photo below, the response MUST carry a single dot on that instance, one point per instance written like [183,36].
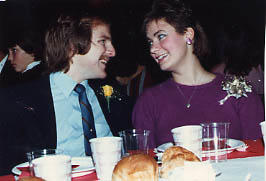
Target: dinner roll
[30,179]
[174,157]
[137,167]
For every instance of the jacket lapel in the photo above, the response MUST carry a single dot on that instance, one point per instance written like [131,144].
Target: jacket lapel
[42,112]
[96,86]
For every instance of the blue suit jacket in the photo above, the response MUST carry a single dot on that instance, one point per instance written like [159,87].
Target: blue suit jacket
[28,119]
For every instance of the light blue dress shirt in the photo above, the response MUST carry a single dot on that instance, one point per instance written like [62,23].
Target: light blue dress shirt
[68,114]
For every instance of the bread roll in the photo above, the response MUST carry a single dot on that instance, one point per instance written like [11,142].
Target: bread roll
[30,179]
[174,157]
[138,167]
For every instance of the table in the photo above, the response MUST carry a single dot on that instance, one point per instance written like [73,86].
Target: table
[251,161]
[241,168]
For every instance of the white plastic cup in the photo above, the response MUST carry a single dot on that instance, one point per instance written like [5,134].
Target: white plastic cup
[40,153]
[135,141]
[263,129]
[189,137]
[215,141]
[106,152]
[53,168]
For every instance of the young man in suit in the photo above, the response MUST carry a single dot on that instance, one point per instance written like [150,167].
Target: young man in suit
[46,113]
[25,56]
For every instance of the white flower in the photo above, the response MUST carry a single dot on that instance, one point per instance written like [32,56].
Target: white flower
[235,86]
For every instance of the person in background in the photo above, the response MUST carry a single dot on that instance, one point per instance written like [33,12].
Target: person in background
[26,56]
[193,95]
[146,76]
[136,72]
[135,83]
[48,112]
[239,55]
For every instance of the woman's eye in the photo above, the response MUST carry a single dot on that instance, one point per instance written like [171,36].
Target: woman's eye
[161,36]
[149,43]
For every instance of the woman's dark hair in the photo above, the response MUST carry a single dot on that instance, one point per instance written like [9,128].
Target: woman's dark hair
[180,16]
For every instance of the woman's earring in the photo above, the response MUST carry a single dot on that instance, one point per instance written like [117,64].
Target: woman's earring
[189,41]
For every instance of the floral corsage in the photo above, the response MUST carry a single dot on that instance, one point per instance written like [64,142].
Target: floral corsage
[235,86]
[109,93]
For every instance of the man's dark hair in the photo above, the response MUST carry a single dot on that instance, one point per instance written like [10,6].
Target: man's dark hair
[70,34]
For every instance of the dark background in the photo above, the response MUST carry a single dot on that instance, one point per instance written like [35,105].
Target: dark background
[127,17]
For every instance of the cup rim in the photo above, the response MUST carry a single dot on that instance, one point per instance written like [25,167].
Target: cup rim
[105,139]
[174,130]
[214,124]
[63,159]
[134,131]
[45,151]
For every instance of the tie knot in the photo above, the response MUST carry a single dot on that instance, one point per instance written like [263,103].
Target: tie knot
[79,88]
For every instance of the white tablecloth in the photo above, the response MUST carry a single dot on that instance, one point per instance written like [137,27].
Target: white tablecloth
[238,169]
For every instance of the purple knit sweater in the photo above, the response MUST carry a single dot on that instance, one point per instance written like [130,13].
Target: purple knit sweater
[163,107]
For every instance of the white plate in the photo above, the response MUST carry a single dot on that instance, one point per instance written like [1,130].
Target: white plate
[163,147]
[234,145]
[85,166]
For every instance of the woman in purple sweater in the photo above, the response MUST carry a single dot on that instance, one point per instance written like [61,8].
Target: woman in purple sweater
[193,95]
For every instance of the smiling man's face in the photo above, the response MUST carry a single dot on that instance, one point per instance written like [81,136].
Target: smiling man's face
[92,64]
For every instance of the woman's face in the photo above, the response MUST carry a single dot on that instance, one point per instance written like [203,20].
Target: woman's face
[167,47]
[19,58]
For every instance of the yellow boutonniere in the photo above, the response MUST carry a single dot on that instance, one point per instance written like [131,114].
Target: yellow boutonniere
[108,91]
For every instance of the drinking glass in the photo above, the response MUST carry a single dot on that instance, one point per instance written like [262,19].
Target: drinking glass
[135,141]
[214,143]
